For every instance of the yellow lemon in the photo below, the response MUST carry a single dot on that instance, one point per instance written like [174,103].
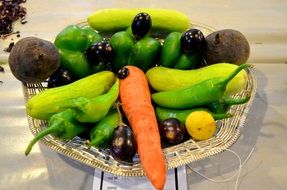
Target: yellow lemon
[200,125]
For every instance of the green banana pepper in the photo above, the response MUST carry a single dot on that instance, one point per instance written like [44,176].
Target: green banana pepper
[198,95]
[92,110]
[102,133]
[63,125]
[72,42]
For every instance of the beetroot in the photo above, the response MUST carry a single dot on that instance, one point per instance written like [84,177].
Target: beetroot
[33,60]
[228,46]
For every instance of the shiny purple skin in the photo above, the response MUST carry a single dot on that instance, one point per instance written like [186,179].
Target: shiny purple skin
[60,77]
[141,25]
[193,41]
[123,73]
[99,52]
[171,131]
[124,146]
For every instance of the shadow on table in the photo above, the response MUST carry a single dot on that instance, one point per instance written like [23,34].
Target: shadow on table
[223,165]
[65,172]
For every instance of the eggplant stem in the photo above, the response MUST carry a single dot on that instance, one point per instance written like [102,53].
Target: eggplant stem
[121,123]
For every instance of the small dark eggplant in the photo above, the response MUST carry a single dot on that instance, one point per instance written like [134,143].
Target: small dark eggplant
[141,25]
[171,131]
[60,77]
[124,145]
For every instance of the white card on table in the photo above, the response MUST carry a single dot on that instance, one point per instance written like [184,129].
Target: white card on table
[176,180]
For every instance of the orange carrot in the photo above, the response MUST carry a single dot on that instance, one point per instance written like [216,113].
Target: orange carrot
[135,97]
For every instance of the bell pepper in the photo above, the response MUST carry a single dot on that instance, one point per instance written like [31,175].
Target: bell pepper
[63,125]
[122,43]
[145,53]
[72,43]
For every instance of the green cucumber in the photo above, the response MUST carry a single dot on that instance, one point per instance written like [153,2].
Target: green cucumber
[118,19]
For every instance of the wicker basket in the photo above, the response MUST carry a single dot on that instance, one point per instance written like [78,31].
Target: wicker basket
[227,133]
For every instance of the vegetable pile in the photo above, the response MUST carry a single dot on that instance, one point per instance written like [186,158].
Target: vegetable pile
[133,92]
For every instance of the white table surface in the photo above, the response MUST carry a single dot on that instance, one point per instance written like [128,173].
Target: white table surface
[264,25]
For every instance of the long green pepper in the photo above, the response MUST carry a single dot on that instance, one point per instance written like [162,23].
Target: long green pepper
[197,95]
[102,133]
[224,104]
[63,125]
[166,113]
[181,115]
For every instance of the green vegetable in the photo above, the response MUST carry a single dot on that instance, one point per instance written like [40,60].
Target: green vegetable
[223,104]
[188,61]
[172,55]
[145,53]
[72,42]
[164,79]
[102,132]
[93,109]
[122,43]
[50,101]
[75,62]
[171,50]
[197,95]
[181,115]
[117,19]
[63,125]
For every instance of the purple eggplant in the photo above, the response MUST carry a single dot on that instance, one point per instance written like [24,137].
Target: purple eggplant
[171,131]
[124,145]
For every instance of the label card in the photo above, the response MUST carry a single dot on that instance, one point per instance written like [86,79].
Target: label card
[176,180]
